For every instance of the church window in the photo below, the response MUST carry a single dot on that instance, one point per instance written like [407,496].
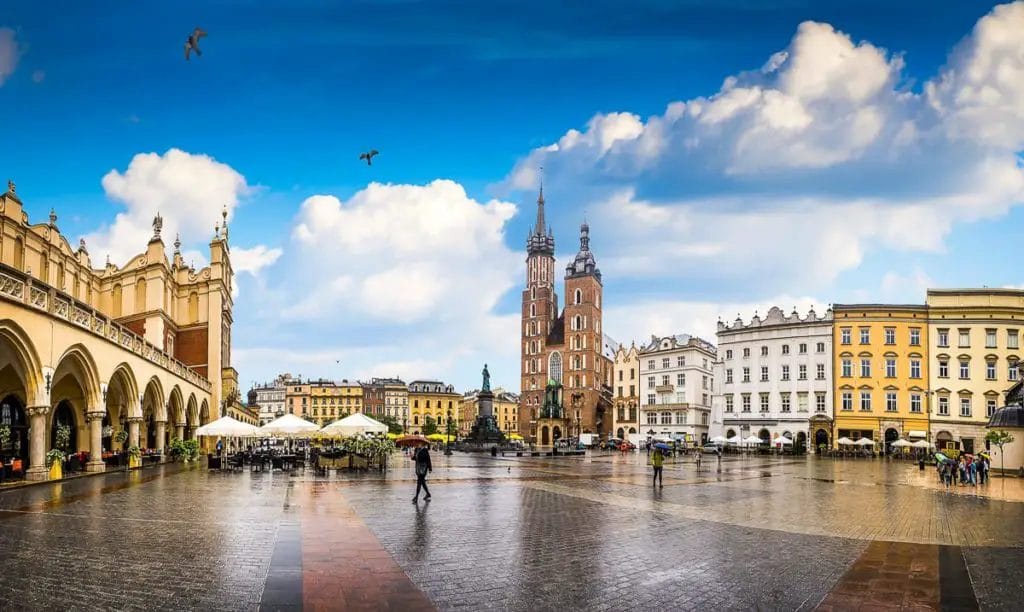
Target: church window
[579,296]
[533,310]
[555,367]
[533,293]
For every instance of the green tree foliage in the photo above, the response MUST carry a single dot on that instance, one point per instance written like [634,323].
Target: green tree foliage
[429,426]
[1000,437]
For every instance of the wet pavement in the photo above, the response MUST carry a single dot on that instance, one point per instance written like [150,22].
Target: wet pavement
[518,534]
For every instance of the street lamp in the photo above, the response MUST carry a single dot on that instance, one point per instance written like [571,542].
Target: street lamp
[448,430]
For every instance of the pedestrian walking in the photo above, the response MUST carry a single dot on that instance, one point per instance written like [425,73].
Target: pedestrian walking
[984,470]
[423,467]
[658,462]
[972,471]
[698,460]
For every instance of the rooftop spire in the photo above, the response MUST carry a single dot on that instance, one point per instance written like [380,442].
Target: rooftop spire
[539,228]
[537,242]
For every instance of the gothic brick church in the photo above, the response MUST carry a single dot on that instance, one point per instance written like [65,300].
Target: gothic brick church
[566,374]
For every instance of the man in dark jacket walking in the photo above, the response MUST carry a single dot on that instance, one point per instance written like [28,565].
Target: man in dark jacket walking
[423,467]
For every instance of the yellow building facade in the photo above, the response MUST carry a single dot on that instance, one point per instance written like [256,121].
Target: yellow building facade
[434,399]
[974,337]
[880,372]
[330,401]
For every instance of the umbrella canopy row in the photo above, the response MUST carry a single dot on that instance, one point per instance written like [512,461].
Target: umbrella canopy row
[291,426]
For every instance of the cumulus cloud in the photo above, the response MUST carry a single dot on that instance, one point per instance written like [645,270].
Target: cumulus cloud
[790,173]
[253,260]
[10,53]
[189,191]
[403,252]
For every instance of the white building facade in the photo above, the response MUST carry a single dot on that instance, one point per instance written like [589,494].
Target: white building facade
[774,377]
[270,398]
[676,388]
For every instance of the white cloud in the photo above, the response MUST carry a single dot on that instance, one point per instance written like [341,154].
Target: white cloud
[403,252]
[10,53]
[189,191]
[788,175]
[639,321]
[253,260]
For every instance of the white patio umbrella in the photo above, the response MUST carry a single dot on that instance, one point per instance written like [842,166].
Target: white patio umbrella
[844,441]
[227,427]
[901,443]
[719,440]
[355,424]
[289,426]
[752,440]
[781,440]
[734,440]
[922,444]
[865,442]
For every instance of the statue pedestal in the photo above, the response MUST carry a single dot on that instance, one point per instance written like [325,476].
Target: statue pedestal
[485,433]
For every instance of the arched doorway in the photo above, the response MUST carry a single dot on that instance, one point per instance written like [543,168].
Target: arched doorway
[632,430]
[12,416]
[944,440]
[556,434]
[63,428]
[730,433]
[620,433]
[766,437]
[545,439]
[821,438]
[801,442]
[891,435]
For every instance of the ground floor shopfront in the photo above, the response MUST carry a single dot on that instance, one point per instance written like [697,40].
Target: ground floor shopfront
[880,429]
[806,434]
[963,436]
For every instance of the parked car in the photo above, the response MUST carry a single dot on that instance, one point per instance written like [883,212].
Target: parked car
[711,448]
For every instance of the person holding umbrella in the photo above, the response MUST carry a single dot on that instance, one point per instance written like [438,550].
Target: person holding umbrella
[423,467]
[658,463]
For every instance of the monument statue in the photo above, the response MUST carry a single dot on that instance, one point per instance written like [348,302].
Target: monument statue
[487,380]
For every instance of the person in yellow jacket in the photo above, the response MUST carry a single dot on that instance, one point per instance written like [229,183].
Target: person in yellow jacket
[658,462]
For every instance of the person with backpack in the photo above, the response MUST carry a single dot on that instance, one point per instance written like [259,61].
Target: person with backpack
[423,467]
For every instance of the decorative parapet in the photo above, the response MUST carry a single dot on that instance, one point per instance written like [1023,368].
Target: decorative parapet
[775,317]
[16,286]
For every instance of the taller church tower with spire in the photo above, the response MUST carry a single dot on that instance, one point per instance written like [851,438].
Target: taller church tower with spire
[565,373]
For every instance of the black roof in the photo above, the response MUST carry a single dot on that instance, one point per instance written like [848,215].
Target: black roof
[1009,416]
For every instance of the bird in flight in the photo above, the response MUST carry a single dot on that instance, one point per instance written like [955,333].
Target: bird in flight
[192,44]
[369,156]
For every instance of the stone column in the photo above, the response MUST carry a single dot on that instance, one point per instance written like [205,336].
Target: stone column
[95,442]
[161,431]
[37,443]
[133,431]
[179,431]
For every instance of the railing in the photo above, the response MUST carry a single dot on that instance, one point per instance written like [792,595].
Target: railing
[20,287]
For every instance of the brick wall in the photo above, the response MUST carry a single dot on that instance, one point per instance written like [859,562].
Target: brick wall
[190,346]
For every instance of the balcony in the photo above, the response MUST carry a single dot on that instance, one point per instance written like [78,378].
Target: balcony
[665,389]
[20,287]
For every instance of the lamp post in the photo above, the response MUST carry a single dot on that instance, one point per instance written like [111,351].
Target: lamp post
[448,430]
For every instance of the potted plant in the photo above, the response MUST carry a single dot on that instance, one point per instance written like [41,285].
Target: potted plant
[134,457]
[5,436]
[55,461]
[190,448]
[177,451]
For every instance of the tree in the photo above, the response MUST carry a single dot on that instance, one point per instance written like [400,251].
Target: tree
[429,426]
[1000,437]
[393,425]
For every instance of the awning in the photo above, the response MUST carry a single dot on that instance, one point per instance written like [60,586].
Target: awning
[917,434]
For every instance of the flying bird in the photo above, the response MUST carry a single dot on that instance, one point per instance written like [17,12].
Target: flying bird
[369,156]
[192,44]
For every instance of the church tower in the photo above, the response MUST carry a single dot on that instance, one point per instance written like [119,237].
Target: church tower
[587,369]
[540,310]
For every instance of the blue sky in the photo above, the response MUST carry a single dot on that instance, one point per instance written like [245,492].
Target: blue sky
[774,200]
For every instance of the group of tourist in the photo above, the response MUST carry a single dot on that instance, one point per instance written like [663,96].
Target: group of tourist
[966,470]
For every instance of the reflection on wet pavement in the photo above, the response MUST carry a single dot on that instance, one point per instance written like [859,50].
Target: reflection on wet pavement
[518,534]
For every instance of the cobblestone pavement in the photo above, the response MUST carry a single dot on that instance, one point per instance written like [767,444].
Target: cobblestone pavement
[518,534]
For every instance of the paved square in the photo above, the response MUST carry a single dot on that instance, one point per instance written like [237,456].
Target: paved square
[518,534]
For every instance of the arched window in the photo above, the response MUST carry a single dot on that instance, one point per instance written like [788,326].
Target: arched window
[577,322]
[555,367]
[19,253]
[115,301]
[533,310]
[579,297]
[533,293]
[140,295]
[576,362]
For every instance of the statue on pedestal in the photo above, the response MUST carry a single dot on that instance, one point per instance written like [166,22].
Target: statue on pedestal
[487,380]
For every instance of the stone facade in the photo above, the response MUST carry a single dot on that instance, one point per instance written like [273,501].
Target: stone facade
[773,377]
[505,406]
[269,398]
[626,392]
[676,386]
[436,400]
